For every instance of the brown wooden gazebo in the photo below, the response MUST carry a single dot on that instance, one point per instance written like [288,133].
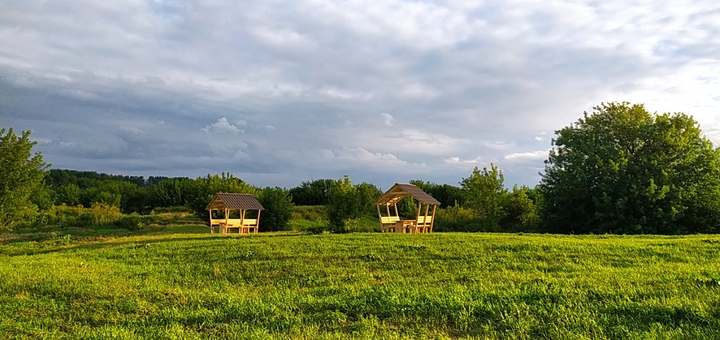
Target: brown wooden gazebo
[391,222]
[227,203]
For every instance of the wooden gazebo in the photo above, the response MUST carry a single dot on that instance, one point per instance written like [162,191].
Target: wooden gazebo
[391,222]
[228,203]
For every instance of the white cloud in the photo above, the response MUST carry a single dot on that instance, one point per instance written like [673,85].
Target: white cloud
[222,126]
[459,161]
[388,118]
[527,156]
[131,129]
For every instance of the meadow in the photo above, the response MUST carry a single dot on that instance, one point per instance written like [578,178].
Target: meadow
[180,282]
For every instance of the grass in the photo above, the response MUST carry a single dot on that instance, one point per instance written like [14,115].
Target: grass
[182,283]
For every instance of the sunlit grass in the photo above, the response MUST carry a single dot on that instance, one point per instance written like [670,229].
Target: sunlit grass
[185,283]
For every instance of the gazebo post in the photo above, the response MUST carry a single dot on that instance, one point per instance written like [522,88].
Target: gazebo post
[257,226]
[417,220]
[242,220]
[211,227]
[379,214]
[432,222]
[427,209]
[227,216]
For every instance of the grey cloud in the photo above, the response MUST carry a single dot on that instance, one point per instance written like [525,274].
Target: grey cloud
[287,92]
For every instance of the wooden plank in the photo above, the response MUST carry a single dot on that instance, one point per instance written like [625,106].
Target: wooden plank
[380,218]
[432,223]
[258,222]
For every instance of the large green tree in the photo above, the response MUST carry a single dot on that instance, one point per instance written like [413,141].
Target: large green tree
[278,209]
[21,173]
[621,169]
[344,205]
[484,193]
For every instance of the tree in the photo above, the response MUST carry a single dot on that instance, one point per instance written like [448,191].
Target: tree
[207,187]
[315,192]
[518,211]
[448,195]
[344,205]
[367,194]
[278,209]
[21,173]
[68,194]
[621,169]
[484,193]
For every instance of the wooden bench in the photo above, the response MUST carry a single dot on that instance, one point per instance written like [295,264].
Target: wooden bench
[424,224]
[389,223]
[246,226]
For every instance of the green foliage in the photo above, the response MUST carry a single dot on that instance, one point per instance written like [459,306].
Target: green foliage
[278,209]
[311,219]
[367,194]
[310,212]
[484,193]
[173,192]
[407,208]
[42,197]
[133,221]
[98,214]
[68,194]
[316,192]
[208,186]
[448,195]
[182,285]
[621,169]
[344,204]
[518,211]
[457,218]
[21,173]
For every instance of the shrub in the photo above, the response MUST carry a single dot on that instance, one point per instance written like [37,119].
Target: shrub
[278,209]
[175,209]
[459,219]
[344,204]
[310,213]
[130,222]
[364,224]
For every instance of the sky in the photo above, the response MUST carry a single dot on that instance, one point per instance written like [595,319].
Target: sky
[280,92]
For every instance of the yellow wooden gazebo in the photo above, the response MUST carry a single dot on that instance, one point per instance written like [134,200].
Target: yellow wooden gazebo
[240,203]
[391,222]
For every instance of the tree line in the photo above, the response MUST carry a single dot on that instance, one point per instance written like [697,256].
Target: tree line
[618,169]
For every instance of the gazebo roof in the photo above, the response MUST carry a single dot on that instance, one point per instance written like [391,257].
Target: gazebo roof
[401,190]
[234,201]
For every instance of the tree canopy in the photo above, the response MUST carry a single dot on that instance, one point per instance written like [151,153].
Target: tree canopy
[621,169]
[21,174]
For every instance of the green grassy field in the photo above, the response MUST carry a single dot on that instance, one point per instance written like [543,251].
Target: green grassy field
[180,283]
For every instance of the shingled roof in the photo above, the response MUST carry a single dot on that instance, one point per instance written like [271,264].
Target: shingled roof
[401,190]
[235,202]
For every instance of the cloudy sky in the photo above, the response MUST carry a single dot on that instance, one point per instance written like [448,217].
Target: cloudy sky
[278,92]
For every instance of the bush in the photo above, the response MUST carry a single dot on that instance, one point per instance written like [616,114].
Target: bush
[130,222]
[175,209]
[77,216]
[460,219]
[317,228]
[310,213]
[344,204]
[364,224]
[278,209]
